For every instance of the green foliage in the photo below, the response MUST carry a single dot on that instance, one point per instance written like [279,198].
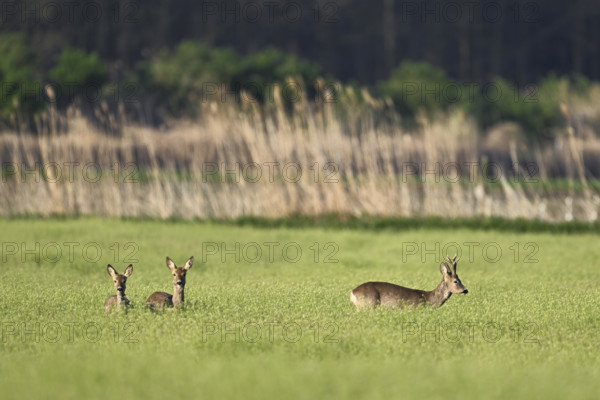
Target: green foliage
[534,107]
[418,86]
[192,71]
[261,70]
[180,80]
[19,89]
[76,68]
[196,73]
[528,327]
[415,86]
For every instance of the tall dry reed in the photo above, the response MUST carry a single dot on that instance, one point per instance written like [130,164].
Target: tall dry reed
[328,157]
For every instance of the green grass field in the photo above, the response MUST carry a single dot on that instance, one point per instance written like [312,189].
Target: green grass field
[278,323]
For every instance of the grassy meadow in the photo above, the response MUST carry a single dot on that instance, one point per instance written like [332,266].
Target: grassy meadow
[288,200]
[267,313]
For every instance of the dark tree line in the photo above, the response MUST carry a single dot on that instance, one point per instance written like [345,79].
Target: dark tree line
[352,40]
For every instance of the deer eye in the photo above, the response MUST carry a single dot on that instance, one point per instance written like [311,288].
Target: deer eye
[455,281]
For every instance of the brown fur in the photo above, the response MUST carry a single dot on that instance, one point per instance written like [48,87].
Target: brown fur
[158,300]
[372,294]
[118,300]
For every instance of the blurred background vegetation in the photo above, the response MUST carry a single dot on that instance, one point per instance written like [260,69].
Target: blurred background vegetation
[498,61]
[347,89]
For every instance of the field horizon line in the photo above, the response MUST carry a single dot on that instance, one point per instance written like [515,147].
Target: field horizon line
[362,222]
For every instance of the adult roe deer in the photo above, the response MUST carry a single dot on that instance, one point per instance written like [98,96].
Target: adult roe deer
[370,294]
[159,299]
[119,300]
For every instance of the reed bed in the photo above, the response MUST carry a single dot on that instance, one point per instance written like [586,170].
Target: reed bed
[245,159]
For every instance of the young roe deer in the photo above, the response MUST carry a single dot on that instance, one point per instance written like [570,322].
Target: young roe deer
[119,300]
[370,294]
[159,299]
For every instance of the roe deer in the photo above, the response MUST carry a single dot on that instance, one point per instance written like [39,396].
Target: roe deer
[160,299]
[371,294]
[119,300]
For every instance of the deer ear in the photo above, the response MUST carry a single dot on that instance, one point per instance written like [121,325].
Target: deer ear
[445,269]
[128,271]
[188,263]
[170,264]
[111,271]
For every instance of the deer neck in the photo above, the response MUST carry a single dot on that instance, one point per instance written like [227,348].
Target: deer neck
[177,294]
[439,295]
[120,298]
